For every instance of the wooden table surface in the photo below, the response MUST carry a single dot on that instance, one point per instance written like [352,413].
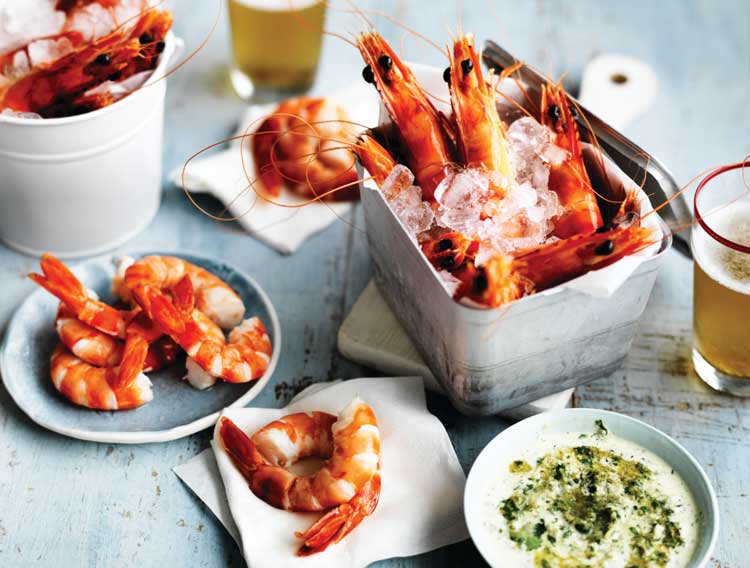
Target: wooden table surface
[66,502]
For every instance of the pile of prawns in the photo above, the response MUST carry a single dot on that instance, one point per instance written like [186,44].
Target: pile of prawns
[168,304]
[430,144]
[64,85]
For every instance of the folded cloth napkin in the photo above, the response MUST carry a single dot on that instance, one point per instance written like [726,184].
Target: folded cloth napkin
[222,175]
[420,506]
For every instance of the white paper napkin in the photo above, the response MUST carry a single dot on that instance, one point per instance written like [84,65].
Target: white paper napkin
[420,507]
[221,174]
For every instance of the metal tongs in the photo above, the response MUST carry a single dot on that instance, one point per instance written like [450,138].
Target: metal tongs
[659,184]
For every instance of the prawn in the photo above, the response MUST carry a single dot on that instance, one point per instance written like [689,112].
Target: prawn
[213,296]
[301,143]
[59,87]
[347,485]
[421,126]
[374,158]
[569,178]
[59,281]
[97,348]
[505,278]
[244,358]
[102,388]
[480,132]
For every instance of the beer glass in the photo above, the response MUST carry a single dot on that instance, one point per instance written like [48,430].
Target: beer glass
[721,302]
[275,45]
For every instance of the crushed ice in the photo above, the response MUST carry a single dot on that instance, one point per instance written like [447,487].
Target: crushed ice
[522,218]
[406,202]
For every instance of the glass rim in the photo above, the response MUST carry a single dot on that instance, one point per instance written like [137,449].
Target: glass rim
[702,222]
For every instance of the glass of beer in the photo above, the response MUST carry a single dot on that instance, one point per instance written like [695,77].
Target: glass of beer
[721,302]
[276,46]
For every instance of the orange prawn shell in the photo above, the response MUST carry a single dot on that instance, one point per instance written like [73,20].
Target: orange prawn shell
[58,88]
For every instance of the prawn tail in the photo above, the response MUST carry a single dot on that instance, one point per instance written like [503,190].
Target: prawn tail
[59,281]
[160,309]
[339,522]
[183,296]
[131,365]
[240,448]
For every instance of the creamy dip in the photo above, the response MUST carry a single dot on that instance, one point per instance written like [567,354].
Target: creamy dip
[574,500]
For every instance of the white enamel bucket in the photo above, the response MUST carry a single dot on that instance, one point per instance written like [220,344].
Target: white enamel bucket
[83,184]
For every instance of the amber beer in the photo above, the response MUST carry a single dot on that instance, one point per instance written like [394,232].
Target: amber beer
[276,43]
[722,300]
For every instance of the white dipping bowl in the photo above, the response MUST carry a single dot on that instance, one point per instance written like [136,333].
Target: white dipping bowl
[504,448]
[83,184]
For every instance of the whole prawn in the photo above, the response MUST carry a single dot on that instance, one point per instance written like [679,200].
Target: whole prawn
[569,178]
[420,124]
[347,485]
[480,132]
[244,358]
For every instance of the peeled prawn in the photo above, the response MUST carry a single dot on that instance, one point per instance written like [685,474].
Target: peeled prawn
[244,358]
[101,388]
[348,483]
[213,296]
[102,350]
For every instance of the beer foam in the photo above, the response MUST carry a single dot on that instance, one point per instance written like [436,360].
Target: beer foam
[277,5]
[728,267]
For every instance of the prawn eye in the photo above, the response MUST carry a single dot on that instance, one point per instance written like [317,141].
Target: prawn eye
[480,282]
[445,244]
[447,75]
[102,59]
[466,66]
[368,75]
[385,62]
[145,37]
[607,247]
[554,112]
[448,262]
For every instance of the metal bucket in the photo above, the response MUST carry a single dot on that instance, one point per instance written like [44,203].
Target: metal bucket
[489,360]
[83,184]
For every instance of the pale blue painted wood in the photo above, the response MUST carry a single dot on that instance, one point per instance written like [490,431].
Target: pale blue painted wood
[80,504]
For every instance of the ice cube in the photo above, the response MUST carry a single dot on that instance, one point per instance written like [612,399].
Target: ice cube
[14,114]
[21,22]
[399,179]
[416,215]
[461,197]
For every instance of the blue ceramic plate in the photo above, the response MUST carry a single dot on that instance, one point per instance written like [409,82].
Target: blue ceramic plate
[177,409]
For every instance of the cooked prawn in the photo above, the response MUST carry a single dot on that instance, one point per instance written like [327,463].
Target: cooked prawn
[302,145]
[59,281]
[59,87]
[213,296]
[101,388]
[569,178]
[102,350]
[420,124]
[505,278]
[348,481]
[244,358]
[374,158]
[481,134]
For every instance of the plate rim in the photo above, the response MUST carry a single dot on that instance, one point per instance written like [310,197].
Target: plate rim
[150,436]
[472,491]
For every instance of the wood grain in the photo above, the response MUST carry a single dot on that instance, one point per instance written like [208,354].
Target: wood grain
[82,504]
